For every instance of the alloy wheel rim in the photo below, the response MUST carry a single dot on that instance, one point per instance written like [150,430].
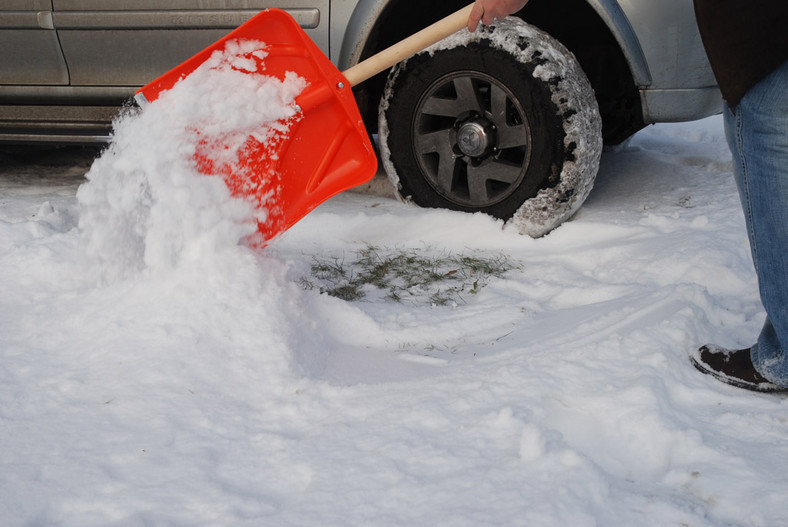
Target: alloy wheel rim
[472,139]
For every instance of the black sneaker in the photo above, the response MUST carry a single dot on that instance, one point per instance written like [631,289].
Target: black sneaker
[732,367]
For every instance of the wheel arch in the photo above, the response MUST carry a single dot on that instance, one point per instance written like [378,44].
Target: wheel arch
[596,31]
[617,22]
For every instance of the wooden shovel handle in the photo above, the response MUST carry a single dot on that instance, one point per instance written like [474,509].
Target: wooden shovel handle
[408,47]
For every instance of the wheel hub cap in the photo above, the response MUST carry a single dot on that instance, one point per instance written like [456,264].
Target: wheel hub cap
[475,138]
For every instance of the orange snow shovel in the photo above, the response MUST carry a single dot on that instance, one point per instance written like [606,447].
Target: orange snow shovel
[326,150]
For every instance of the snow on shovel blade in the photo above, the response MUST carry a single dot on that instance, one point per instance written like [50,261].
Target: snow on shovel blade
[320,153]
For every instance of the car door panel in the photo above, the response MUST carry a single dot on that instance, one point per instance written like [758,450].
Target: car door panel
[30,50]
[129,43]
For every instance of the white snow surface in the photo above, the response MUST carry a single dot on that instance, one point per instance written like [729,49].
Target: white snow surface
[198,384]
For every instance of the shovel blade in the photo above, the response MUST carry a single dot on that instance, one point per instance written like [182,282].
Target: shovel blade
[325,151]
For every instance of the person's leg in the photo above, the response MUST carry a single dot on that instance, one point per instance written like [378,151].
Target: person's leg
[757,133]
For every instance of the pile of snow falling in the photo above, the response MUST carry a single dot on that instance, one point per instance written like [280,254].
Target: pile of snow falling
[146,204]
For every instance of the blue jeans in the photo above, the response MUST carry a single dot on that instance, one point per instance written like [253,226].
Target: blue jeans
[757,133]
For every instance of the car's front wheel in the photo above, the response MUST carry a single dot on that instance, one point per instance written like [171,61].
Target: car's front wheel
[501,121]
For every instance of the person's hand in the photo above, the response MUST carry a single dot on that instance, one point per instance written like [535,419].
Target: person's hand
[487,11]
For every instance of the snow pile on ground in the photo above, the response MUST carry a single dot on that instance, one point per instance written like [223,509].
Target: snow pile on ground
[216,391]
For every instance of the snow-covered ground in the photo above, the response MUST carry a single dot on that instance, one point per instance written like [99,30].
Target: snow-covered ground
[204,386]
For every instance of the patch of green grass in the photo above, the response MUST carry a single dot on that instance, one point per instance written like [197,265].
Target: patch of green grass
[406,275]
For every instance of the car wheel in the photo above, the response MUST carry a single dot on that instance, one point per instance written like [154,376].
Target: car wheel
[501,121]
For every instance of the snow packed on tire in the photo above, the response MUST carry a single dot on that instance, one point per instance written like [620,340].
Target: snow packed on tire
[572,95]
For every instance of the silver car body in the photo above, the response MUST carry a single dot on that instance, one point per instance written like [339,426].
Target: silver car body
[67,65]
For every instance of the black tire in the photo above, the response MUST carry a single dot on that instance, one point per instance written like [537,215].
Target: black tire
[496,122]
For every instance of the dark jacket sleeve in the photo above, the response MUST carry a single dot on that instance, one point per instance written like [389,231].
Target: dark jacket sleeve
[745,40]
